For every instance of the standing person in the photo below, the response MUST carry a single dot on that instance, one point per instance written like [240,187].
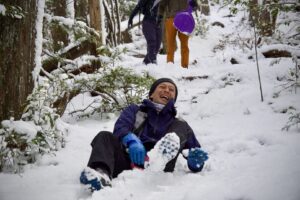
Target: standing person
[139,129]
[151,30]
[170,8]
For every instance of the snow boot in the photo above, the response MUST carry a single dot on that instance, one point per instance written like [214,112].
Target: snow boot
[94,179]
[164,150]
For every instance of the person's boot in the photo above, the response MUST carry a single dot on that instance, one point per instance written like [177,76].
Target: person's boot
[94,179]
[164,150]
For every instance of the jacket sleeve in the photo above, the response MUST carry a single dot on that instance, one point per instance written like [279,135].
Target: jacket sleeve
[125,123]
[185,133]
[192,141]
[137,8]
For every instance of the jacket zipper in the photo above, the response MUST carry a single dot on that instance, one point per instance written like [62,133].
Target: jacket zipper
[156,120]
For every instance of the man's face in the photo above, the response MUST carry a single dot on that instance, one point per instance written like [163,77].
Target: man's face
[163,93]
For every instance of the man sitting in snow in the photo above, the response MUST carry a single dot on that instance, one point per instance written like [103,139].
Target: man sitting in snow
[147,131]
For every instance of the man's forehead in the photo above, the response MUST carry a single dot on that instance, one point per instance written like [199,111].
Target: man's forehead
[167,84]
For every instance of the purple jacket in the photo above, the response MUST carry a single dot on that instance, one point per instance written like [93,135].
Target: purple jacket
[156,125]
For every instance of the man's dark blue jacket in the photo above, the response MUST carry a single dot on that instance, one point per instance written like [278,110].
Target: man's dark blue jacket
[156,125]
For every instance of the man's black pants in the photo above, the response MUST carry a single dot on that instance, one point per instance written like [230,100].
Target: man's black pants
[109,154]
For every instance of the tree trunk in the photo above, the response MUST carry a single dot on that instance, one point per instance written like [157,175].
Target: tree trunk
[95,16]
[267,19]
[59,35]
[110,25]
[17,53]
[253,12]
[262,17]
[94,11]
[113,18]
[163,50]
[81,10]
[119,39]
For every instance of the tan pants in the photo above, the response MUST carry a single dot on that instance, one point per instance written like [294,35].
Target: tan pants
[171,32]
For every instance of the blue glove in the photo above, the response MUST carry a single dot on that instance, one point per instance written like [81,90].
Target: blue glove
[196,159]
[136,149]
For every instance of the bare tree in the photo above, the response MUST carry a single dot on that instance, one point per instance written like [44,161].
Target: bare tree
[17,53]
[111,39]
[117,10]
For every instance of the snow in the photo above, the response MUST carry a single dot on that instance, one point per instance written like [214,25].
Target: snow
[2,9]
[38,41]
[70,8]
[250,157]
[21,127]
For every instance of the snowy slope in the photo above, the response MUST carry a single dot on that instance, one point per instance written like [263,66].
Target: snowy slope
[251,158]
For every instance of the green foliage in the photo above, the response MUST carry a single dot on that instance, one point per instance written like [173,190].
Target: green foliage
[82,31]
[117,87]
[201,27]
[68,29]
[13,11]
[291,80]
[16,140]
[126,7]
[18,148]
[216,1]
[113,53]
[10,158]
[264,15]
[294,120]
[124,87]
[273,6]
[57,27]
[39,139]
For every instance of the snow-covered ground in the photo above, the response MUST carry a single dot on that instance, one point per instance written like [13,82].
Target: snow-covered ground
[250,157]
